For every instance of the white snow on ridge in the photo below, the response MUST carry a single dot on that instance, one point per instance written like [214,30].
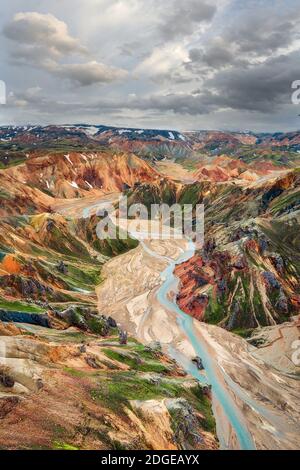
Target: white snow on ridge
[90,131]
[182,137]
[89,184]
[171,135]
[124,131]
[84,157]
[68,158]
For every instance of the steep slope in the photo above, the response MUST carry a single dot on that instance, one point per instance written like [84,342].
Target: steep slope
[17,197]
[119,397]
[47,259]
[223,168]
[71,175]
[247,273]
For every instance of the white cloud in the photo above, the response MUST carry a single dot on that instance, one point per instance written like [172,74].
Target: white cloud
[89,73]
[42,30]
[165,62]
[163,59]
[43,40]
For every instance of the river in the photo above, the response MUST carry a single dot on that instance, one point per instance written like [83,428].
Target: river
[141,296]
[167,299]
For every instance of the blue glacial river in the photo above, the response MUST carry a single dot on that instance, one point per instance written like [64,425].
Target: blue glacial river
[185,322]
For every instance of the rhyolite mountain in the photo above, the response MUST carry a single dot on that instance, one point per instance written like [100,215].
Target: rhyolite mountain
[244,277]
[246,274]
[155,143]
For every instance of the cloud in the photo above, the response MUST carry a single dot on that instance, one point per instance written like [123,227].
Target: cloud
[163,61]
[178,103]
[260,88]
[264,87]
[183,17]
[34,29]
[181,62]
[248,37]
[30,96]
[43,40]
[216,55]
[90,73]
[130,48]
[262,32]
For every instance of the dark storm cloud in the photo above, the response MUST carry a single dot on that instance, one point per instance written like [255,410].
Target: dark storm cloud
[263,88]
[263,32]
[215,56]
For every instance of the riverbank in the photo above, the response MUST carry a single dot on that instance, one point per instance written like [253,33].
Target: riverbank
[267,409]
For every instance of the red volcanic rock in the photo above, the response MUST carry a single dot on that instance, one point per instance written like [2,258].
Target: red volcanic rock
[252,245]
[295,301]
[240,263]
[194,306]
[76,174]
[194,275]
[216,174]
[202,275]
[264,167]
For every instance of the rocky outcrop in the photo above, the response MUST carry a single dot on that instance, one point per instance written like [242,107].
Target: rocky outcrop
[231,287]
[62,268]
[6,380]
[234,321]
[198,361]
[271,281]
[86,319]
[123,337]
[26,286]
[22,317]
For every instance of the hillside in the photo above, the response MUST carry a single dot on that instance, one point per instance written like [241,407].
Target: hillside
[247,273]
[67,297]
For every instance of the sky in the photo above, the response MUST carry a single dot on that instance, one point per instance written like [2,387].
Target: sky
[175,64]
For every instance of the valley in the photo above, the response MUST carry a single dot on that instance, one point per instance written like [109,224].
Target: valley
[67,298]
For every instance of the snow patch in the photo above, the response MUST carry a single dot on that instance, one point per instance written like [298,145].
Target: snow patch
[84,157]
[89,184]
[68,158]
[90,131]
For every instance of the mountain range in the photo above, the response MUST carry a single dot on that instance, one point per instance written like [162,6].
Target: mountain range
[62,290]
